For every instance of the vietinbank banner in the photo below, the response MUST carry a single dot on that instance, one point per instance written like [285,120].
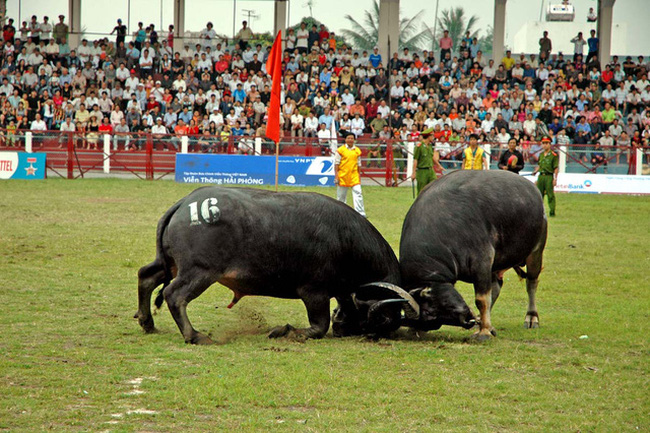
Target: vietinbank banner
[22,165]
[601,183]
[254,170]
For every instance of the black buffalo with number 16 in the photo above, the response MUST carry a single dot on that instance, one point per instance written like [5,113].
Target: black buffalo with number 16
[286,245]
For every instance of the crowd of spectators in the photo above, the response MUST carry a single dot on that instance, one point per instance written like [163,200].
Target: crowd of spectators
[214,89]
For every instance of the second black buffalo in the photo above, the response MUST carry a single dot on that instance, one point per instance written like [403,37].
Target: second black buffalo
[472,226]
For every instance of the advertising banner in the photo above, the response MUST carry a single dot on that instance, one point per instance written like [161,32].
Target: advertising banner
[254,170]
[22,165]
[601,183]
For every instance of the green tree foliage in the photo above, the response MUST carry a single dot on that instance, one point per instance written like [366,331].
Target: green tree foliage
[310,21]
[458,23]
[365,34]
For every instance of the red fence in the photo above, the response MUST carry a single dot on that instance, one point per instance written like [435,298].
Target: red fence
[149,156]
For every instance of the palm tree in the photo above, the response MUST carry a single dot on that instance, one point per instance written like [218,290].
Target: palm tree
[366,38]
[485,42]
[457,23]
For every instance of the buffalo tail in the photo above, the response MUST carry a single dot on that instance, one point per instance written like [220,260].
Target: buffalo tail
[160,251]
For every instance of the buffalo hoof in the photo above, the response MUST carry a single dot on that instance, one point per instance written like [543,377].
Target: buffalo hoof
[478,336]
[201,340]
[531,321]
[146,323]
[281,331]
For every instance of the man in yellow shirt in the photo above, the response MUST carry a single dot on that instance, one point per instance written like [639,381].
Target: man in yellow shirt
[346,169]
[508,62]
[474,157]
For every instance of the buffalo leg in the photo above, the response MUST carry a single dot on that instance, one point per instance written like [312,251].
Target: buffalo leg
[497,284]
[533,269]
[149,277]
[178,294]
[318,311]
[483,299]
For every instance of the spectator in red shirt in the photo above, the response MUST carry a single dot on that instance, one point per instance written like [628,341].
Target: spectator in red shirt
[152,103]
[323,35]
[607,75]
[371,110]
[105,127]
[222,65]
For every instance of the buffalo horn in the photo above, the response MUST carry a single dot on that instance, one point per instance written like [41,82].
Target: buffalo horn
[411,307]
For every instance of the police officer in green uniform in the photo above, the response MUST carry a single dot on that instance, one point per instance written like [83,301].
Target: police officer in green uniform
[548,168]
[424,158]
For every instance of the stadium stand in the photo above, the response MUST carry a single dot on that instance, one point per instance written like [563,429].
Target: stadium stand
[212,92]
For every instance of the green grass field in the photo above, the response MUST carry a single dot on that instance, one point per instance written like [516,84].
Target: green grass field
[73,359]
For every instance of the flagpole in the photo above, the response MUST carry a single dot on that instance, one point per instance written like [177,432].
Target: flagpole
[277,159]
[274,68]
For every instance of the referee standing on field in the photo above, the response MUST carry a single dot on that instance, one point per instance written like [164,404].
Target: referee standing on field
[424,158]
[346,173]
[548,168]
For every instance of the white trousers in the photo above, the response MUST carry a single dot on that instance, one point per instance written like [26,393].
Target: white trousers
[357,197]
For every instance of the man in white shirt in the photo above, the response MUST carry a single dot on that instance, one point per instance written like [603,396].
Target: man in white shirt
[490,70]
[311,125]
[67,126]
[35,58]
[296,124]
[397,91]
[430,121]
[502,138]
[84,52]
[357,125]
[208,35]
[37,125]
[487,124]
[158,128]
[324,135]
[643,82]
[122,74]
[205,63]
[146,64]
[302,38]
[608,95]
[216,117]
[179,84]
[347,97]
[46,30]
[530,125]
[383,110]
[7,88]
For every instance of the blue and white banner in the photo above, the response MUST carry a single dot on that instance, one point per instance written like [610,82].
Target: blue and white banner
[600,183]
[254,170]
[22,165]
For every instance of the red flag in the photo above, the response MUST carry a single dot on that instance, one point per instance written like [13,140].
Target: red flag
[274,68]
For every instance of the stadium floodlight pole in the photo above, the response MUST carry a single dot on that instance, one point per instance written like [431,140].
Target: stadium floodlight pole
[390,97]
[435,25]
[234,17]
